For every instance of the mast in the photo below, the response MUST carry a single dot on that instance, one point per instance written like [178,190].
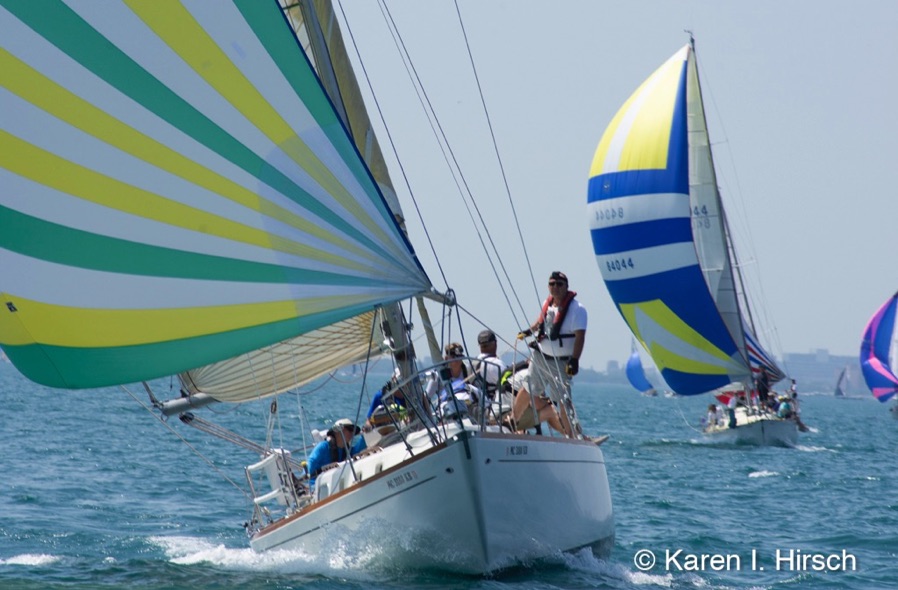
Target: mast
[713,241]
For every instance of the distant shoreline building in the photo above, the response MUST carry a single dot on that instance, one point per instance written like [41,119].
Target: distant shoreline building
[815,371]
[818,371]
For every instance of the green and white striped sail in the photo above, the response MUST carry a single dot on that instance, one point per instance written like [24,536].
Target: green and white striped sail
[295,362]
[176,190]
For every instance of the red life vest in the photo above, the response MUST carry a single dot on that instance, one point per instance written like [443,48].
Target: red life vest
[555,330]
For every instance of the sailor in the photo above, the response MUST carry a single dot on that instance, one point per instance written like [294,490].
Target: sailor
[489,368]
[711,417]
[762,384]
[334,448]
[377,412]
[731,411]
[785,407]
[560,332]
[457,396]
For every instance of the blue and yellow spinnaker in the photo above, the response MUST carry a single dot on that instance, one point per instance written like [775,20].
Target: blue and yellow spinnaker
[660,238]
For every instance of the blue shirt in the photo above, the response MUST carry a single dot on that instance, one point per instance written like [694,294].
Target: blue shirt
[458,385]
[784,408]
[377,401]
[321,456]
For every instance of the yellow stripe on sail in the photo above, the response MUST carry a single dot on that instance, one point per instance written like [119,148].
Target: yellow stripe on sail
[667,359]
[671,323]
[29,161]
[180,31]
[58,325]
[641,128]
[45,94]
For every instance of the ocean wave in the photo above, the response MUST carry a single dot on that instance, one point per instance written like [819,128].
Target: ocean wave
[31,559]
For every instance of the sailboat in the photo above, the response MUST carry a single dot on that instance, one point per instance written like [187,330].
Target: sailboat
[840,382]
[195,189]
[664,249]
[879,353]
[636,374]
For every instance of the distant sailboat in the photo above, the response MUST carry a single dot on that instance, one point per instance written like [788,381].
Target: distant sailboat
[636,374]
[840,390]
[664,248]
[879,353]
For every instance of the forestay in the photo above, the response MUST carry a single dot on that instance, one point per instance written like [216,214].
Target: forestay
[163,209]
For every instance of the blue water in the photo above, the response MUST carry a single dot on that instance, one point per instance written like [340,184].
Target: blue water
[98,494]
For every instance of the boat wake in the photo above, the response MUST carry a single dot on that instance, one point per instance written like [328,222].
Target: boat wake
[193,551]
[813,449]
[585,561]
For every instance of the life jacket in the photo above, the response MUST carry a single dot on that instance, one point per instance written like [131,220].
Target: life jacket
[505,379]
[555,329]
[480,369]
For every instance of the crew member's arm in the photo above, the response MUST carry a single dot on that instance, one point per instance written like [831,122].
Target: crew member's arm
[573,364]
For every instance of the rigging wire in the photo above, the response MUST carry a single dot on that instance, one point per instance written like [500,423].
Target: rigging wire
[185,441]
[429,112]
[501,168]
[683,416]
[756,295]
[355,47]
[450,158]
[452,162]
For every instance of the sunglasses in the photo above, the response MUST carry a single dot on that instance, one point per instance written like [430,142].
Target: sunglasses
[553,283]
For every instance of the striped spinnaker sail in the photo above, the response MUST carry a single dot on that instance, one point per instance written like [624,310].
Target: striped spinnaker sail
[879,351]
[176,190]
[660,236]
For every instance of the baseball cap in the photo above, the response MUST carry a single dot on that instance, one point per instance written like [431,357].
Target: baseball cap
[486,336]
[557,275]
[346,423]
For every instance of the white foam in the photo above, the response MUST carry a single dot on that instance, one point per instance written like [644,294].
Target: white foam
[763,473]
[585,560]
[811,449]
[344,562]
[30,559]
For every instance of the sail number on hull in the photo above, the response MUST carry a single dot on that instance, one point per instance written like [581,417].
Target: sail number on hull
[516,450]
[402,479]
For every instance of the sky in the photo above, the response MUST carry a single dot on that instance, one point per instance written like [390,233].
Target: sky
[799,98]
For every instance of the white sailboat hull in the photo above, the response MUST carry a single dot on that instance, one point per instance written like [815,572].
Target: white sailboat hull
[760,430]
[479,503]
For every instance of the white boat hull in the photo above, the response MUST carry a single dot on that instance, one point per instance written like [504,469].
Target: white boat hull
[479,503]
[763,430]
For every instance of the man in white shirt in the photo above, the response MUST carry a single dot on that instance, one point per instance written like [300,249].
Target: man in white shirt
[489,368]
[560,332]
